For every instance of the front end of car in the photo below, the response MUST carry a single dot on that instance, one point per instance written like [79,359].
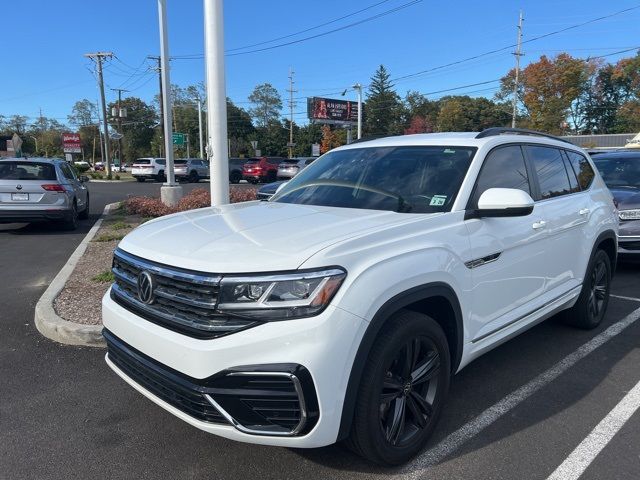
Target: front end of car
[629,232]
[251,357]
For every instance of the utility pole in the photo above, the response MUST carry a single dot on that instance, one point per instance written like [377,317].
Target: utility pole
[200,128]
[159,70]
[98,57]
[119,118]
[358,88]
[170,192]
[291,105]
[217,143]
[518,53]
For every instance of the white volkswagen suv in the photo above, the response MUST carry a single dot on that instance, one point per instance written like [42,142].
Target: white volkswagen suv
[340,309]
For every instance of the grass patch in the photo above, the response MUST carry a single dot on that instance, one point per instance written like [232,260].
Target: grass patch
[104,277]
[107,237]
[120,225]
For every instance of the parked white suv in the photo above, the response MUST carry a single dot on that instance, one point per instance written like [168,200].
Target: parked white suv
[152,168]
[341,308]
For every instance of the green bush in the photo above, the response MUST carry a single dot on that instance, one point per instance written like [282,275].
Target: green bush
[104,277]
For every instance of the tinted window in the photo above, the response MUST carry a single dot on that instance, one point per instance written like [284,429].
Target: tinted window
[160,162]
[27,171]
[503,168]
[582,168]
[573,180]
[552,175]
[178,162]
[67,171]
[309,161]
[143,161]
[274,161]
[620,171]
[416,179]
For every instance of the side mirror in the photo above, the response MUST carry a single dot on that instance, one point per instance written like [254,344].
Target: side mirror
[84,178]
[502,202]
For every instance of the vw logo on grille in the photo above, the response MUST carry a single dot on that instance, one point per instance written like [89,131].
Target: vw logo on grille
[145,287]
[18,187]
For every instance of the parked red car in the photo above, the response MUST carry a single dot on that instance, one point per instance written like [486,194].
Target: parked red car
[261,169]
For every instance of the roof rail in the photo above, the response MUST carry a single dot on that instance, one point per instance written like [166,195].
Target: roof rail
[493,131]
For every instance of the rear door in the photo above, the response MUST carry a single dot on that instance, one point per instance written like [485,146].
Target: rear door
[71,180]
[508,262]
[565,214]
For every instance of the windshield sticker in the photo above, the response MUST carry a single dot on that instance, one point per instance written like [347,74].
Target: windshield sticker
[448,150]
[438,200]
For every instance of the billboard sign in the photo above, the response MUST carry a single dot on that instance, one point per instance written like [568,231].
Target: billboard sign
[71,143]
[328,110]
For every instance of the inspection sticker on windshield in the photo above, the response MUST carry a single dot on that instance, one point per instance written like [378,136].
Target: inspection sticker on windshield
[438,200]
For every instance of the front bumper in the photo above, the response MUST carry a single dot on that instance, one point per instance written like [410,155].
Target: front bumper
[629,245]
[324,346]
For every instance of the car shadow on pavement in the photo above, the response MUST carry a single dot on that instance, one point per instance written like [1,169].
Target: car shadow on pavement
[500,372]
[47,228]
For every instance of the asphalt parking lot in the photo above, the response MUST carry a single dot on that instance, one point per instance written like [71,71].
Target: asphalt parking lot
[527,409]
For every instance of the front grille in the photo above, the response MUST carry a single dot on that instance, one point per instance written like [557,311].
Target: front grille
[630,245]
[183,300]
[163,382]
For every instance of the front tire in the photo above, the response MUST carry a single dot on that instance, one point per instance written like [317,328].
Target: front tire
[194,177]
[591,306]
[403,388]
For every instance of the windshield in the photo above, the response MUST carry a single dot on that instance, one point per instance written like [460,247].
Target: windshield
[619,172]
[27,171]
[415,179]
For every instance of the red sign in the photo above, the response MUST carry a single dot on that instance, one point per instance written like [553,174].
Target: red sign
[71,143]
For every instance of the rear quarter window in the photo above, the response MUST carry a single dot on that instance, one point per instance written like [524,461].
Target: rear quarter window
[582,169]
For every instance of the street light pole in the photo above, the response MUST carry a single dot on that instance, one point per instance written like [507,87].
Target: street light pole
[200,129]
[35,139]
[216,101]
[358,87]
[170,192]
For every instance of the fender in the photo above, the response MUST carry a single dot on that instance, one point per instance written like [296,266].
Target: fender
[422,292]
[606,235]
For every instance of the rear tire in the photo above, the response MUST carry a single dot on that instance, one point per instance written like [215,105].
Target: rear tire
[402,391]
[194,177]
[591,306]
[160,176]
[85,213]
[71,223]
[235,177]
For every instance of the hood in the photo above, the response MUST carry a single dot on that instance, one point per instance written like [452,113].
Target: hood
[627,197]
[252,236]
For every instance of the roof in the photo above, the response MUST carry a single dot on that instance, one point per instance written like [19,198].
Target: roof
[32,159]
[467,139]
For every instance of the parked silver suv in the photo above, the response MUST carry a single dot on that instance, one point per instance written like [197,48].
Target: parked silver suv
[42,189]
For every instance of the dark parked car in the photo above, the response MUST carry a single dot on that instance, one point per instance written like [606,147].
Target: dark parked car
[262,169]
[269,190]
[621,173]
[235,168]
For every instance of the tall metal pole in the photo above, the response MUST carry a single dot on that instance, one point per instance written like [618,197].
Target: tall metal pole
[216,101]
[518,54]
[291,105]
[170,192]
[200,129]
[188,151]
[119,119]
[159,70]
[98,57]
[358,87]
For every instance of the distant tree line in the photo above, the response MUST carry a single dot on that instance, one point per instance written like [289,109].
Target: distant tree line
[559,95]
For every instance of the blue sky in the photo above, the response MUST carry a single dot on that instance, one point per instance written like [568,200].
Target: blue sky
[44,41]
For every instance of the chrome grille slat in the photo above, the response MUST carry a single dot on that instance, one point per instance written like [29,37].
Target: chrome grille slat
[183,300]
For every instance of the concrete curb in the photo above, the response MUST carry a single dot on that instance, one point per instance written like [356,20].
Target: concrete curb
[47,320]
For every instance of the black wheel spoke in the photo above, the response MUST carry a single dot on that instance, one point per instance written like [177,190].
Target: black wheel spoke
[417,414]
[394,431]
[426,370]
[601,292]
[409,357]
[424,406]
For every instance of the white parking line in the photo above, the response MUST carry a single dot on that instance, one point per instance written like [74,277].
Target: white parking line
[622,297]
[576,463]
[456,439]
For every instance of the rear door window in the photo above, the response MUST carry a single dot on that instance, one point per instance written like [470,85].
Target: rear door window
[504,167]
[582,169]
[143,161]
[27,171]
[67,171]
[550,169]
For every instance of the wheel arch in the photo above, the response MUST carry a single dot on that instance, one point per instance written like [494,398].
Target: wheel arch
[607,241]
[429,298]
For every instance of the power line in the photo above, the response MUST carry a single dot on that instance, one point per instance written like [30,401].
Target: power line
[307,29]
[350,25]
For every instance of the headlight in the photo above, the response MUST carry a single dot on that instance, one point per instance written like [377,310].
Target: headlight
[280,297]
[629,214]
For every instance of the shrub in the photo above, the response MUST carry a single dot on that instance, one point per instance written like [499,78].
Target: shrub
[107,237]
[104,277]
[198,198]
[120,225]
[117,177]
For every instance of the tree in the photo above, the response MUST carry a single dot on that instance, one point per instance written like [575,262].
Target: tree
[418,125]
[466,114]
[239,129]
[383,109]
[417,105]
[272,139]
[17,124]
[330,139]
[137,127]
[83,113]
[548,89]
[306,136]
[267,104]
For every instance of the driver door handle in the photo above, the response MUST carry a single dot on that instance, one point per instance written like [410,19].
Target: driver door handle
[584,211]
[539,225]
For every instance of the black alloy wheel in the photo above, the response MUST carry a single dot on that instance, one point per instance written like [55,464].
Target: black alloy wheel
[409,388]
[402,390]
[598,291]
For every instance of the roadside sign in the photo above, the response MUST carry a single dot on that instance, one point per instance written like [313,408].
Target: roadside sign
[178,139]
[291,144]
[254,144]
[68,157]
[71,143]
[315,150]
[258,153]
